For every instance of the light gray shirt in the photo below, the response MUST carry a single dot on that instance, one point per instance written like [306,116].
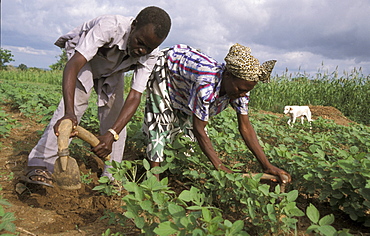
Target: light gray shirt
[103,42]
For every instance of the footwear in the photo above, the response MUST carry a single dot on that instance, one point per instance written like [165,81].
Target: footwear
[44,177]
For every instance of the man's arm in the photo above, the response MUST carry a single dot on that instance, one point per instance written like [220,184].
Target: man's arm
[206,145]
[251,140]
[70,73]
[104,148]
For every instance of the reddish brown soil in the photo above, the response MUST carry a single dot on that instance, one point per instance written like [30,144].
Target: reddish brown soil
[51,211]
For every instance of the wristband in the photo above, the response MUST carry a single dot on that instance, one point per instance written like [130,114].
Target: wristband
[115,135]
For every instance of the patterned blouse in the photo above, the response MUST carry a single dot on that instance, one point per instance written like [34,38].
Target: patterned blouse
[195,82]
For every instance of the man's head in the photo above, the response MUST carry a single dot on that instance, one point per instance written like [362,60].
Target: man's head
[156,16]
[149,29]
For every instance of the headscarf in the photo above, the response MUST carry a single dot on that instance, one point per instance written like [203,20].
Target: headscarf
[243,65]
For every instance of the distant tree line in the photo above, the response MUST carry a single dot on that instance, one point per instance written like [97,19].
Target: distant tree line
[6,57]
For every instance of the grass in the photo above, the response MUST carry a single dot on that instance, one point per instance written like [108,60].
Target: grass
[348,93]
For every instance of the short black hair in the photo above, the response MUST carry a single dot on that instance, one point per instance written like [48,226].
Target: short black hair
[156,16]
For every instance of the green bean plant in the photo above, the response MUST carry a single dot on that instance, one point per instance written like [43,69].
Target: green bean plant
[7,227]
[331,161]
[6,123]
[328,163]
[322,226]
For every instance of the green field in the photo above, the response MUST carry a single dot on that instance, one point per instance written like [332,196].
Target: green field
[329,162]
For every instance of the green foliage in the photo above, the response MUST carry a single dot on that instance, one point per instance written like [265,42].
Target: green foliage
[22,67]
[154,207]
[86,178]
[40,104]
[6,123]
[59,65]
[23,91]
[33,75]
[348,93]
[6,218]
[330,160]
[266,212]
[108,233]
[322,226]
[90,119]
[122,172]
[156,210]
[5,57]
[30,100]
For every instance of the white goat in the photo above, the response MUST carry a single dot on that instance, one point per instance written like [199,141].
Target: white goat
[298,111]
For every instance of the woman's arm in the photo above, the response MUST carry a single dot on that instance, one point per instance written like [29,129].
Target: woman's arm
[206,145]
[251,140]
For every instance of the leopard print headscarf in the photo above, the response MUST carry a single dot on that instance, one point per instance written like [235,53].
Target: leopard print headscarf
[243,65]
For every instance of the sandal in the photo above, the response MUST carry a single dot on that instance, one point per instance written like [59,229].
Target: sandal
[44,176]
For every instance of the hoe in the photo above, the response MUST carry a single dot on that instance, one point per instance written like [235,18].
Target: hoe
[66,170]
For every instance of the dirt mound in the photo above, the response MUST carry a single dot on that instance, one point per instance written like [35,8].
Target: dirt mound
[332,113]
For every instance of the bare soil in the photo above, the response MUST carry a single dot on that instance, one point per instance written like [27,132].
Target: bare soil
[52,211]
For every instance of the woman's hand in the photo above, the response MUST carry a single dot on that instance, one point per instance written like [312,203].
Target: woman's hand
[283,175]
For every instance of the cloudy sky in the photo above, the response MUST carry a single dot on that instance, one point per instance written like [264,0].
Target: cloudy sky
[305,35]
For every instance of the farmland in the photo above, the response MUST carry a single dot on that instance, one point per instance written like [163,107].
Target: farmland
[329,164]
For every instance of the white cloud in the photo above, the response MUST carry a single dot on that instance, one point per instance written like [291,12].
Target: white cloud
[26,50]
[300,34]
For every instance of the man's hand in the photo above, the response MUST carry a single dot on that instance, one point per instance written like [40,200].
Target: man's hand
[279,172]
[104,148]
[71,117]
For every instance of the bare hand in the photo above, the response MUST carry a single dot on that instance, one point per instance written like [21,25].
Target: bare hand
[283,175]
[73,118]
[104,148]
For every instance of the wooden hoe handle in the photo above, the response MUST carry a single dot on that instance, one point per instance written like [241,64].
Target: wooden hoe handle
[64,129]
[89,138]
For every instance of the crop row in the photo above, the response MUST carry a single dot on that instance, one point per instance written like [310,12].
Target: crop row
[329,161]
[348,93]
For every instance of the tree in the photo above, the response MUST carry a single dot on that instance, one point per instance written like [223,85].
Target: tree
[5,57]
[61,61]
[22,67]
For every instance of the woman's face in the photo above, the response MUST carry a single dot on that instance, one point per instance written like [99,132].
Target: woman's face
[235,87]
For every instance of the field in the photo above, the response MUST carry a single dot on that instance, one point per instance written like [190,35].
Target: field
[329,165]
